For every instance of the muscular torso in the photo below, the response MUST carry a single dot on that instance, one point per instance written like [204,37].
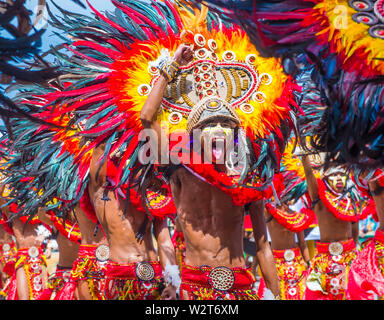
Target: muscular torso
[121,230]
[25,234]
[281,237]
[68,251]
[331,228]
[212,225]
[88,228]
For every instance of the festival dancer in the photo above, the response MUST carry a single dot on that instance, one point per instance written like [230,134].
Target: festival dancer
[205,238]
[214,267]
[134,270]
[70,150]
[286,229]
[335,208]
[366,275]
[94,116]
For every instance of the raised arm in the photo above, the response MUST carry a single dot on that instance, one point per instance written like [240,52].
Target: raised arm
[182,56]
[263,250]
[310,177]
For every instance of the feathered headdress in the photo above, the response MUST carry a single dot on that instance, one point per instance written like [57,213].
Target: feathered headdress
[349,205]
[343,43]
[107,66]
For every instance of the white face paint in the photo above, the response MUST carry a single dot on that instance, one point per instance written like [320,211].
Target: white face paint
[338,180]
[217,140]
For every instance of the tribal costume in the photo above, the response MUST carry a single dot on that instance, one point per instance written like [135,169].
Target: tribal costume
[7,260]
[179,244]
[290,265]
[56,282]
[293,221]
[90,266]
[220,283]
[117,70]
[366,275]
[292,273]
[108,71]
[328,274]
[33,262]
[7,255]
[134,281]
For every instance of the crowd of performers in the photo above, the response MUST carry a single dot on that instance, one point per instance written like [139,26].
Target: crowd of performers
[113,151]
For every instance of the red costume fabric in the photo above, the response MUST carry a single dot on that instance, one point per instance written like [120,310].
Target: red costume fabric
[366,276]
[196,282]
[7,260]
[292,275]
[85,268]
[328,274]
[33,268]
[56,282]
[122,282]
[179,244]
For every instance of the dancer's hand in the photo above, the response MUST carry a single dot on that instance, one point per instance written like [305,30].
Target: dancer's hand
[169,293]
[184,54]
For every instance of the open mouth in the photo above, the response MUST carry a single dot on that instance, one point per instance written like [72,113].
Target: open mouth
[339,185]
[218,148]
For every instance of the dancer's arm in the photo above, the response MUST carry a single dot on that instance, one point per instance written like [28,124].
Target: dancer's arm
[167,258]
[158,141]
[310,177]
[263,250]
[303,247]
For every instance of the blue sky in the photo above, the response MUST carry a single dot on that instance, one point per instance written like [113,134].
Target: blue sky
[49,38]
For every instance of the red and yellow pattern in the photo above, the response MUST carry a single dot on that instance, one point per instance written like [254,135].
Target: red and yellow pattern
[292,274]
[34,270]
[67,228]
[7,258]
[87,268]
[195,283]
[179,244]
[123,284]
[342,208]
[348,38]
[328,274]
[293,221]
[366,276]
[57,280]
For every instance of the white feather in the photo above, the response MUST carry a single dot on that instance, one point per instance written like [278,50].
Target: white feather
[171,275]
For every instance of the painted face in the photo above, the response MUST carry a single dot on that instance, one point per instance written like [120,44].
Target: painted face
[217,139]
[338,181]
